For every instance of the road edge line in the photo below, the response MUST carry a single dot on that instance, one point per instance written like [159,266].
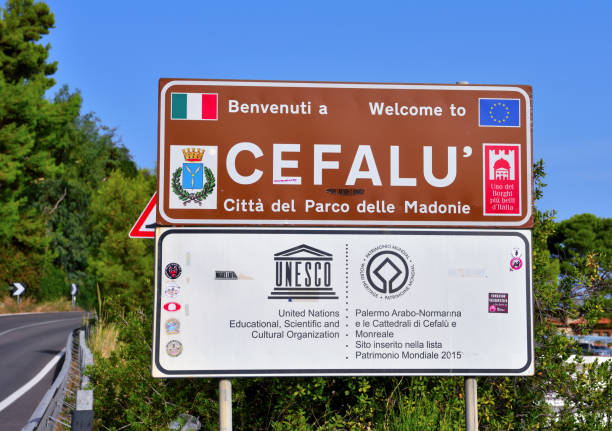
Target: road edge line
[33,382]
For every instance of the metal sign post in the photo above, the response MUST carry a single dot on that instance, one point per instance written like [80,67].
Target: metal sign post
[225,405]
[471,404]
[471,387]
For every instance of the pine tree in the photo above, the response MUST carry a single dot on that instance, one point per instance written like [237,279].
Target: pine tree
[24,78]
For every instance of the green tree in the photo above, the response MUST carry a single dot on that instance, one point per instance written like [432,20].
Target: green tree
[121,266]
[21,58]
[583,245]
[579,235]
[87,160]
[24,78]
[53,160]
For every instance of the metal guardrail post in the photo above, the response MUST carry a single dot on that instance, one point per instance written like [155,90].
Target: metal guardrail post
[83,414]
[85,357]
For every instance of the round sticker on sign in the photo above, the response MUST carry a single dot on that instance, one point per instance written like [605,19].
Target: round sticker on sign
[516,263]
[174,348]
[172,306]
[173,271]
[172,291]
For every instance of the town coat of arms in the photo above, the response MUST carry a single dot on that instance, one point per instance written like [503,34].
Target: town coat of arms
[193,181]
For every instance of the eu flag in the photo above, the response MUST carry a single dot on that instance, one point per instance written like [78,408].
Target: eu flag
[499,112]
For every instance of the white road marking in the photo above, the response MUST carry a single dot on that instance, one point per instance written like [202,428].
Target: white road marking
[37,378]
[35,312]
[37,324]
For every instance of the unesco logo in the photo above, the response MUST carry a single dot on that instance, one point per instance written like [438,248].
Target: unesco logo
[303,272]
[387,271]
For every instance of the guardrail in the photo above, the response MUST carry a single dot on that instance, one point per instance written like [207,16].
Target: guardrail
[49,411]
[47,414]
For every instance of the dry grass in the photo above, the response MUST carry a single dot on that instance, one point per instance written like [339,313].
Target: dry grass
[9,305]
[103,339]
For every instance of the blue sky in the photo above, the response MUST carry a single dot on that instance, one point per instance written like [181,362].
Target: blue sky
[114,52]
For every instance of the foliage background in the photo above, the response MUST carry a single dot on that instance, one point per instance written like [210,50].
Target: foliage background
[60,171]
[69,193]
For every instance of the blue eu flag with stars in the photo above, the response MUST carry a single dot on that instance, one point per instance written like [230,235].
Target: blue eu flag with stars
[499,112]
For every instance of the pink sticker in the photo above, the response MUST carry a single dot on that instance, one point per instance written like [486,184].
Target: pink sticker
[516,263]
[498,302]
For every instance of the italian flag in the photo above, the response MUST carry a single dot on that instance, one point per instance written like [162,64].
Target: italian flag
[194,106]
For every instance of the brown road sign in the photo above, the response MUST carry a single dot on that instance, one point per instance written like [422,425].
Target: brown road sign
[344,154]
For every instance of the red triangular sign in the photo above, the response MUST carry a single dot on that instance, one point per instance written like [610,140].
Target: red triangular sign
[140,229]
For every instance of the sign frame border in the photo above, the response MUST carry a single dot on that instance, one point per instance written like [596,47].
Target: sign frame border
[335,223]
[159,371]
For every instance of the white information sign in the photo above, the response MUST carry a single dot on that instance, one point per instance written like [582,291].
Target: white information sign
[302,302]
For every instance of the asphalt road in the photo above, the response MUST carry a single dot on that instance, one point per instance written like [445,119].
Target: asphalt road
[28,342]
